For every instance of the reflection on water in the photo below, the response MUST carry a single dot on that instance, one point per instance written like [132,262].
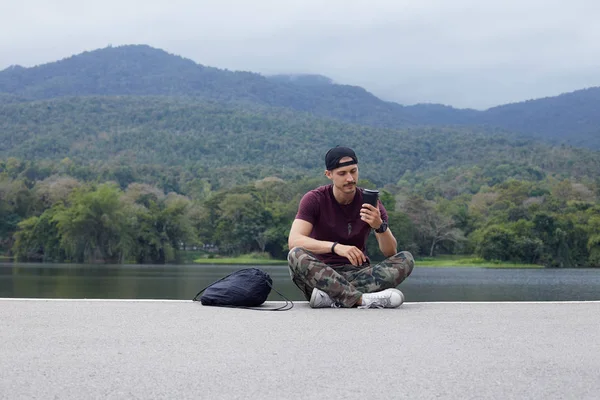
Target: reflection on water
[184,281]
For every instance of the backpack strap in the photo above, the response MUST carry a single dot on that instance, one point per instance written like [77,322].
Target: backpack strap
[287,306]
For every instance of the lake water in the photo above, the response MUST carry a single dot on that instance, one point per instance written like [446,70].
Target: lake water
[184,281]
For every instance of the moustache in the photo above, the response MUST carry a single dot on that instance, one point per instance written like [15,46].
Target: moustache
[350,184]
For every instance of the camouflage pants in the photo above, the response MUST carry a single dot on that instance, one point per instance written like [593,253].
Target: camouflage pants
[346,283]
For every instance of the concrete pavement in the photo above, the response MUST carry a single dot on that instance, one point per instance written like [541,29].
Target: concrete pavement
[103,349]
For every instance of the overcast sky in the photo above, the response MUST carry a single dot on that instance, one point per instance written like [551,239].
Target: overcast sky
[464,53]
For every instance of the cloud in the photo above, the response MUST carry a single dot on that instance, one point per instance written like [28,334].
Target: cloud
[464,53]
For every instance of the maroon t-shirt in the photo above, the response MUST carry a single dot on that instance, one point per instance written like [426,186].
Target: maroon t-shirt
[335,222]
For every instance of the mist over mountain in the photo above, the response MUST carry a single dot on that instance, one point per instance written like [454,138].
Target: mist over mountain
[140,70]
[302,79]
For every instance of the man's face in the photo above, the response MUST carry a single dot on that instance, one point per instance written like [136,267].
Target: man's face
[344,178]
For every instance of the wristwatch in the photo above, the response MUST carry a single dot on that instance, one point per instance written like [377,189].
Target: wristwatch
[382,228]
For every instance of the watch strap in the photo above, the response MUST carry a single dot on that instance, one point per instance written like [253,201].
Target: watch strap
[382,228]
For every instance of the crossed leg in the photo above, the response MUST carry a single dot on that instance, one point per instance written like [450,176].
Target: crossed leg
[346,284]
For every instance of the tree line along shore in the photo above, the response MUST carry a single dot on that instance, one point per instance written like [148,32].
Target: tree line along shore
[49,213]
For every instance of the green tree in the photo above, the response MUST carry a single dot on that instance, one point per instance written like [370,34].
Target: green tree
[497,244]
[38,239]
[94,227]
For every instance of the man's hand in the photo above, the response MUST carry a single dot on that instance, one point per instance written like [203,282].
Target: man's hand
[352,253]
[371,215]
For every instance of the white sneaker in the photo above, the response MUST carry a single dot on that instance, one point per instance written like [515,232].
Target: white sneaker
[388,298]
[320,299]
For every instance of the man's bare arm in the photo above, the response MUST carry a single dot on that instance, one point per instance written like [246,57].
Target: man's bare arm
[387,243]
[299,237]
[386,240]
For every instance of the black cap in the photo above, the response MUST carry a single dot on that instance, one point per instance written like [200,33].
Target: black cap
[334,155]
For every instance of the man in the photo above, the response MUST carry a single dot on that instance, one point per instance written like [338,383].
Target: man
[327,239]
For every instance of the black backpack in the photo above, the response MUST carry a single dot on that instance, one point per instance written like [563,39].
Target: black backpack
[246,288]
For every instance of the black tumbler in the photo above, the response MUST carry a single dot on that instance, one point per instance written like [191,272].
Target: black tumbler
[370,196]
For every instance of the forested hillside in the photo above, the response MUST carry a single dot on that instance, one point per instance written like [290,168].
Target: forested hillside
[571,118]
[142,70]
[137,131]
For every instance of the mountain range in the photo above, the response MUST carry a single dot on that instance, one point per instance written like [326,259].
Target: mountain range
[141,70]
[139,114]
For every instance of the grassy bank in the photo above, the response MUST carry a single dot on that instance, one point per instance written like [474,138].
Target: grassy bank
[438,262]
[244,259]
[465,261]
